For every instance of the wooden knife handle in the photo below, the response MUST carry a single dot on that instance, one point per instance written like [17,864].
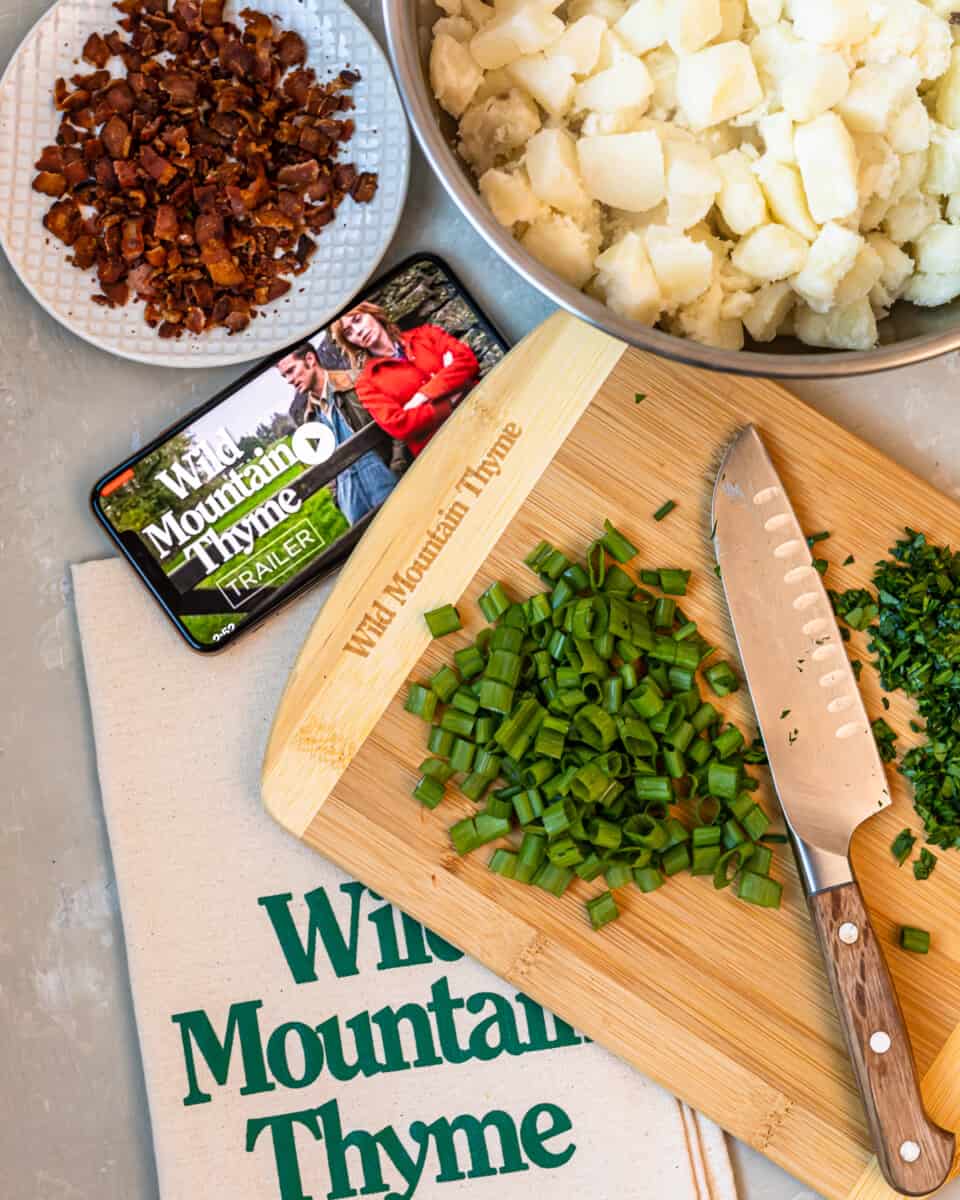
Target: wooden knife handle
[914,1154]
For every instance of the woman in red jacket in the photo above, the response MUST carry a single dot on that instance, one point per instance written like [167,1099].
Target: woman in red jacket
[409,382]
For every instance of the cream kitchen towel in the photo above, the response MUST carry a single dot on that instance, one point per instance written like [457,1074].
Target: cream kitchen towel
[301,1039]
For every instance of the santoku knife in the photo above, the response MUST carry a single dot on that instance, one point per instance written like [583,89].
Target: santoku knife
[829,778]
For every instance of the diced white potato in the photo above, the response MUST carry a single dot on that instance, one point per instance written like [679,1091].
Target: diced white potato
[897,267]
[644,25]
[909,131]
[861,279]
[624,170]
[513,35]
[579,44]
[493,83]
[770,252]
[456,27]
[831,256]
[625,84]
[785,196]
[776,129]
[947,107]
[736,304]
[599,124]
[493,129]
[562,246]
[716,84]
[943,161]
[546,79]
[769,310]
[879,167]
[683,267]
[692,182]
[740,200]
[850,328]
[816,83]
[477,12]
[554,171]
[937,249]
[913,169]
[626,280]
[608,10]
[764,12]
[908,28]
[703,321]
[908,218]
[692,23]
[454,74]
[831,22]
[732,13]
[510,196]
[828,164]
[877,92]
[662,65]
[451,7]
[929,291]
[777,52]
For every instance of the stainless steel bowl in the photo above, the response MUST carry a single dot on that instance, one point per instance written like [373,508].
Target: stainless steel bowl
[908,335]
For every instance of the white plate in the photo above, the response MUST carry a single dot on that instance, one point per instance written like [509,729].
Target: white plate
[348,250]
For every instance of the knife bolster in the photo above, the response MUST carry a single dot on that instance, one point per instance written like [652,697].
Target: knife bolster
[820,869]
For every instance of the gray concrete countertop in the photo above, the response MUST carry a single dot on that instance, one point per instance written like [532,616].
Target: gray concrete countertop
[73,1115]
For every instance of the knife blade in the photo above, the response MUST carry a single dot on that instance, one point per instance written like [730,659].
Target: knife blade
[828,775]
[817,735]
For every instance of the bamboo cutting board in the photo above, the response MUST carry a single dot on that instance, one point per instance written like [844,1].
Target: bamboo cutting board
[724,1004]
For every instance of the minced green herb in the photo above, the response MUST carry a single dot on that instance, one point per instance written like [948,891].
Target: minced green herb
[885,737]
[902,846]
[923,866]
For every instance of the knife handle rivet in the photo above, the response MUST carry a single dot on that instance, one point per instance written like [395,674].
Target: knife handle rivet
[909,1152]
[848,933]
[880,1042]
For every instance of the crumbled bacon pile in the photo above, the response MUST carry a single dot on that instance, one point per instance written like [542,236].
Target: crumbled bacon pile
[196,180]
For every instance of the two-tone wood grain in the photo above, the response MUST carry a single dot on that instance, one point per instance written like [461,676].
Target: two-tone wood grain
[914,1154]
[726,1005]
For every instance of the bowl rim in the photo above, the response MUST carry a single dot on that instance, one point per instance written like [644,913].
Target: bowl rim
[402,42]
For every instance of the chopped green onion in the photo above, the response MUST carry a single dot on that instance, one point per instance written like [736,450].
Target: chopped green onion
[755,823]
[618,874]
[759,889]
[445,682]
[915,940]
[923,867]
[429,791]
[469,661]
[602,910]
[705,859]
[443,620]
[439,741]
[665,510]
[674,582]
[461,755]
[902,846]
[721,679]
[493,602]
[421,701]
[456,722]
[503,862]
[465,701]
[647,879]
[437,769]
[552,878]
[532,852]
[675,859]
[618,546]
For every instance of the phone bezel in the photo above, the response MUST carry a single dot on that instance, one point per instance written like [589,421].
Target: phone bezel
[136,553]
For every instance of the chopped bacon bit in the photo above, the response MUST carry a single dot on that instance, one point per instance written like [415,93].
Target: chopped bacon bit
[201,166]
[96,50]
[50,183]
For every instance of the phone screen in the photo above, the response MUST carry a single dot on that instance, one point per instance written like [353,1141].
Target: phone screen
[270,484]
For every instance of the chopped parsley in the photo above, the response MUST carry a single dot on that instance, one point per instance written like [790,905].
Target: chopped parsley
[848,560]
[902,846]
[785,713]
[813,538]
[923,866]
[639,397]
[885,737]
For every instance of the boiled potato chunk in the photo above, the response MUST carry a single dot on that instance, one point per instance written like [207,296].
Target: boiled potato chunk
[771,305]
[692,23]
[554,170]
[644,25]
[579,45]
[497,127]
[943,162]
[562,246]
[716,84]
[831,22]
[764,12]
[626,280]
[877,91]
[816,83]
[897,269]
[831,257]
[626,84]
[909,130]
[509,37]
[740,200]
[828,164]
[770,252]
[937,249]
[928,291]
[624,170]
[861,279]
[947,108]
[692,181]
[705,320]
[454,74]
[683,267]
[783,189]
[850,328]
[510,196]
[547,80]
[776,129]
[907,220]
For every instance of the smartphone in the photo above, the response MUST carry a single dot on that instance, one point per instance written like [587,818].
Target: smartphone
[268,486]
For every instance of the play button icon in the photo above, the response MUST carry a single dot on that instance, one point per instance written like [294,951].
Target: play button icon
[313,443]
